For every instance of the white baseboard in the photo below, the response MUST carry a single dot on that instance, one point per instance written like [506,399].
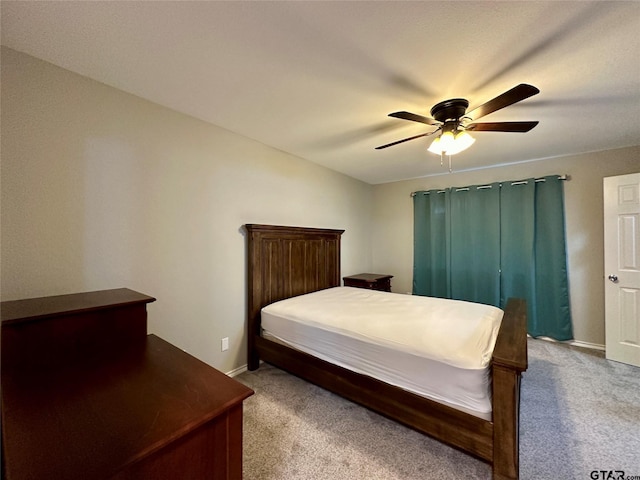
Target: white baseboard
[594,346]
[575,343]
[237,371]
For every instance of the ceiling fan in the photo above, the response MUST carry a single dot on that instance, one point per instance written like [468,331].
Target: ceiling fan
[452,120]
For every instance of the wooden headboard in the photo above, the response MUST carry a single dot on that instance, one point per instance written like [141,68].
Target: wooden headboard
[284,262]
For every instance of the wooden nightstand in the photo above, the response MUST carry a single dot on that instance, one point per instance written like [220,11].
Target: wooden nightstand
[372,281]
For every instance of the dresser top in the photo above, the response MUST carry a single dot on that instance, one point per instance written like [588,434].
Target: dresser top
[93,418]
[39,308]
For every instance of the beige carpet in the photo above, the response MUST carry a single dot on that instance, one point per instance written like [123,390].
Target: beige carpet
[579,412]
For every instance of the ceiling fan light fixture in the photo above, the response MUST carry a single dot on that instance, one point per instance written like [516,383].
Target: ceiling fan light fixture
[462,141]
[435,146]
[447,141]
[448,144]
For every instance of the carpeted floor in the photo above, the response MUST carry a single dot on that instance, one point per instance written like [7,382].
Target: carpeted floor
[579,413]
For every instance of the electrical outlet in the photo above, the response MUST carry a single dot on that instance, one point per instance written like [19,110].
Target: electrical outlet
[225,344]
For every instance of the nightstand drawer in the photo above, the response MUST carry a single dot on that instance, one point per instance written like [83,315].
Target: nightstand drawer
[372,281]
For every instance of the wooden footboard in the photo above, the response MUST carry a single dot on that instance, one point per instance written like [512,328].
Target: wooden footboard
[508,362]
[289,261]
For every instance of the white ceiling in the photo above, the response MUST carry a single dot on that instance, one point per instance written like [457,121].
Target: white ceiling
[317,79]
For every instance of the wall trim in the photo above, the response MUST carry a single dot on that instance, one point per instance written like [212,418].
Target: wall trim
[237,371]
[574,343]
[594,346]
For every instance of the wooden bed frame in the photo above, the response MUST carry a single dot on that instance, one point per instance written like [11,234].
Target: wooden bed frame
[287,261]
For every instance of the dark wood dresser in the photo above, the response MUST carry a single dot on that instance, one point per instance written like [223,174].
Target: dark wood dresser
[372,281]
[87,394]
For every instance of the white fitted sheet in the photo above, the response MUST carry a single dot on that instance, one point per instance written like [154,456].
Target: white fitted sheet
[437,348]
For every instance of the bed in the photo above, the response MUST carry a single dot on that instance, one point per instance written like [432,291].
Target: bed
[285,262]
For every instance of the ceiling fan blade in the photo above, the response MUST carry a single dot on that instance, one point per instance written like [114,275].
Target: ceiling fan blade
[501,126]
[405,140]
[414,118]
[515,95]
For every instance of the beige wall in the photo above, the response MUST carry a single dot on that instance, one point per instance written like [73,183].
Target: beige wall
[393,224]
[101,189]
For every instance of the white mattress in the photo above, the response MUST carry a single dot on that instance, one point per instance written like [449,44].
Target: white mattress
[437,348]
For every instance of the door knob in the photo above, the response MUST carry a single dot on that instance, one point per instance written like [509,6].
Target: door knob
[613,278]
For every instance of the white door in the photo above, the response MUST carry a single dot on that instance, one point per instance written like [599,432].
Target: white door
[622,267]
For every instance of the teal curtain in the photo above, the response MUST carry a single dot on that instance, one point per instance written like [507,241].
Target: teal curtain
[517,235]
[489,243]
[430,246]
[475,244]
[552,307]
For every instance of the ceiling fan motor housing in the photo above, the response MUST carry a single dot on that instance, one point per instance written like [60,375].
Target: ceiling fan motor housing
[452,109]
